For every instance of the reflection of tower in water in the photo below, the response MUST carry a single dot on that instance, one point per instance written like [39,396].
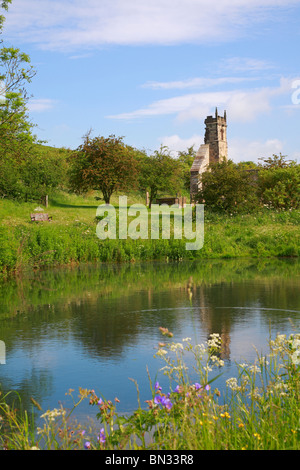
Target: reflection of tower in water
[207,315]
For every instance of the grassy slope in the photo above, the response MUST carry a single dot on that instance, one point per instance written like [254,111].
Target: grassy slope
[71,237]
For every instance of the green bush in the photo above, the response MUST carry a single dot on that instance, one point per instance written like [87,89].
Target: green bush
[279,188]
[225,187]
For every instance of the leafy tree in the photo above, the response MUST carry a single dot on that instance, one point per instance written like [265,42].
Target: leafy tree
[15,73]
[160,172]
[227,188]
[279,183]
[186,159]
[104,164]
[24,172]
[276,161]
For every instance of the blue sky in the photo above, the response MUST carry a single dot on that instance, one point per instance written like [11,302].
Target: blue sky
[152,71]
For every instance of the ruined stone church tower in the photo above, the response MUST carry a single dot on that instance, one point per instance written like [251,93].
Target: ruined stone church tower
[213,150]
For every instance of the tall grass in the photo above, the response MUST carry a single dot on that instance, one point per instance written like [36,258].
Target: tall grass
[71,237]
[258,411]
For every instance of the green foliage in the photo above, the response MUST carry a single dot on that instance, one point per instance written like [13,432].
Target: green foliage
[160,172]
[71,237]
[227,188]
[279,186]
[244,187]
[104,164]
[32,174]
[24,174]
[186,159]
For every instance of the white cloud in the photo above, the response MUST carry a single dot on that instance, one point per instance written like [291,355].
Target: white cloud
[63,24]
[238,149]
[242,104]
[198,82]
[40,105]
[176,144]
[245,64]
[243,150]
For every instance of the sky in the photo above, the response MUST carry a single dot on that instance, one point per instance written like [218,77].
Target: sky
[151,71]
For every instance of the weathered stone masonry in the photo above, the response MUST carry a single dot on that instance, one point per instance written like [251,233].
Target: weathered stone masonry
[214,149]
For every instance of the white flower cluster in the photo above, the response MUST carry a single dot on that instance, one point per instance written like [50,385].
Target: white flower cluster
[294,341]
[51,415]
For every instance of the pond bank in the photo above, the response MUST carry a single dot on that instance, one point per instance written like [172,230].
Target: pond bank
[36,245]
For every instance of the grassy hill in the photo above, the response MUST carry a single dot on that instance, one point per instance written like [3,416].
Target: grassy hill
[71,236]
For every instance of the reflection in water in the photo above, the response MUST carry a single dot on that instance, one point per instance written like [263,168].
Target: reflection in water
[98,326]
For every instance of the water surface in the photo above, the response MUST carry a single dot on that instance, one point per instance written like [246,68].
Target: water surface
[98,326]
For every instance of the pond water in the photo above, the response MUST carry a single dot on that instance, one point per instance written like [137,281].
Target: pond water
[98,326]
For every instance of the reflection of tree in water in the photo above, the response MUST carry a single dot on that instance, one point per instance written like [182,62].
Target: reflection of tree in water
[219,306]
[107,309]
[107,327]
[37,384]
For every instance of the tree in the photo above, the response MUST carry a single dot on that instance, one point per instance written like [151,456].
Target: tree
[276,161]
[15,73]
[104,164]
[24,172]
[186,159]
[160,172]
[228,188]
[279,183]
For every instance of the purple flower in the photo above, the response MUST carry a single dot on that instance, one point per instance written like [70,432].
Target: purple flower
[207,387]
[157,399]
[157,386]
[101,437]
[176,390]
[87,445]
[100,401]
[197,386]
[166,402]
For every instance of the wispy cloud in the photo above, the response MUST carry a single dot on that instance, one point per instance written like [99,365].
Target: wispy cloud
[239,149]
[245,64]
[198,82]
[40,105]
[72,24]
[244,150]
[242,104]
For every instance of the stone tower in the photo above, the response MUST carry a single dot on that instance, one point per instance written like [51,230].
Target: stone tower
[216,137]
[214,149]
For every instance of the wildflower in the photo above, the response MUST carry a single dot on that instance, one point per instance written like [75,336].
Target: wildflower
[87,445]
[232,383]
[157,386]
[161,352]
[225,415]
[157,399]
[101,438]
[176,346]
[165,331]
[296,357]
[164,401]
[100,401]
[197,386]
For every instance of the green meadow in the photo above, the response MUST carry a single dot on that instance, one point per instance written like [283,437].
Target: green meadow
[70,237]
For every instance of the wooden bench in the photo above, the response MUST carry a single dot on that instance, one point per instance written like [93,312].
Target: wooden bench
[40,217]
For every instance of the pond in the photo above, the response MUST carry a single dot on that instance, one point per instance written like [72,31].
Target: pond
[97,326]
